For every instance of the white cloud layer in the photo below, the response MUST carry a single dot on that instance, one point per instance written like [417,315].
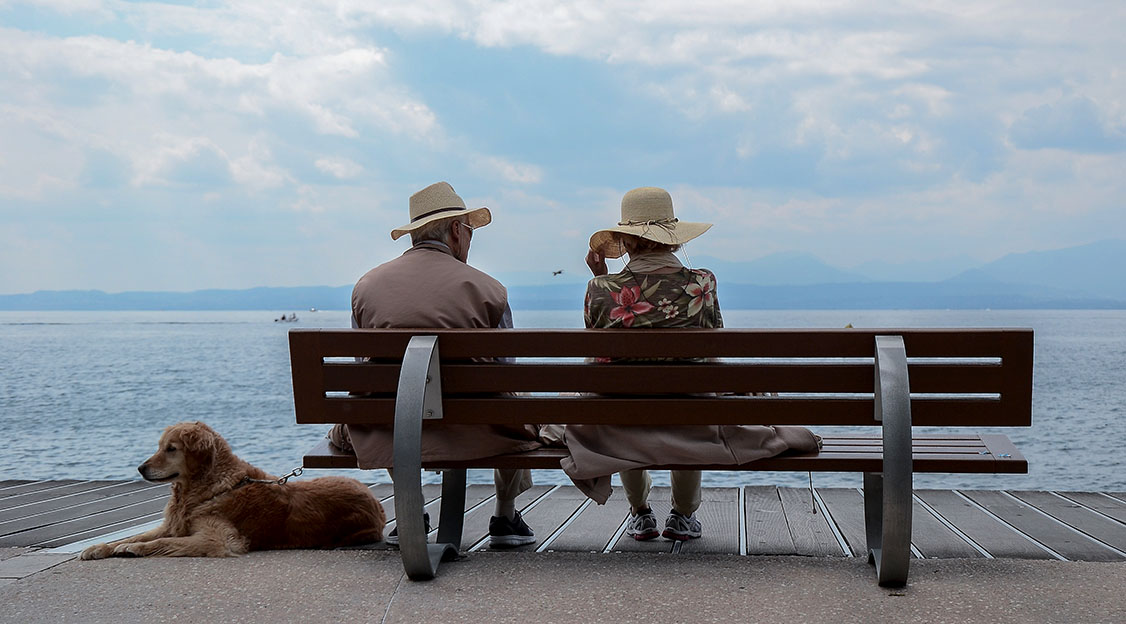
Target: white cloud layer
[839,127]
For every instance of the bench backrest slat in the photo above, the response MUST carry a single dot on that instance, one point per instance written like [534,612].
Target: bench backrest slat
[679,343]
[670,410]
[675,378]
[958,377]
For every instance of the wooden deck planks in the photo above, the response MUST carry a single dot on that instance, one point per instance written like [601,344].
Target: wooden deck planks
[1062,539]
[33,486]
[97,531]
[810,532]
[550,513]
[1108,531]
[719,520]
[37,495]
[41,503]
[91,509]
[1101,503]
[7,483]
[934,540]
[767,530]
[49,533]
[593,529]
[846,508]
[1085,526]
[476,527]
[996,538]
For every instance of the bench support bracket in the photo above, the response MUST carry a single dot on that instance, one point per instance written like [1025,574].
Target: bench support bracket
[419,398]
[887,494]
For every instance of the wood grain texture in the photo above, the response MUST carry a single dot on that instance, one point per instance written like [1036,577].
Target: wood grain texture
[810,532]
[768,533]
[997,538]
[1106,530]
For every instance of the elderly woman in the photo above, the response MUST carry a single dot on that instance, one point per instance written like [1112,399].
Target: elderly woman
[655,290]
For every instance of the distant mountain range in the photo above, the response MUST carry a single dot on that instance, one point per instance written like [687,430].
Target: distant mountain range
[1075,278]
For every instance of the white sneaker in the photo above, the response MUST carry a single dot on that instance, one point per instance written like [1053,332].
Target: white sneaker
[642,526]
[679,527]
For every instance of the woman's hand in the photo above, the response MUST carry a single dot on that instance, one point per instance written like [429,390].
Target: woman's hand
[596,263]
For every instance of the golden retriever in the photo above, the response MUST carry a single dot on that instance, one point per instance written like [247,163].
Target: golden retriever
[215,511]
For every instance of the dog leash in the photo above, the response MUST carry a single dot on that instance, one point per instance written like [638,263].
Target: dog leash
[296,472]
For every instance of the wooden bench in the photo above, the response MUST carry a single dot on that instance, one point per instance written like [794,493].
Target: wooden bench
[958,378]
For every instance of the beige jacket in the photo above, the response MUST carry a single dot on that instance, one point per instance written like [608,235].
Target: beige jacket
[427,287]
[598,451]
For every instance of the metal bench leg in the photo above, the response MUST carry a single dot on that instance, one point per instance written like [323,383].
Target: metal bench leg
[419,397]
[453,508]
[887,494]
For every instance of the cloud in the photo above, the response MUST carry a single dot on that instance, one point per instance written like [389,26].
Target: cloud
[191,161]
[807,124]
[519,173]
[1073,123]
[339,167]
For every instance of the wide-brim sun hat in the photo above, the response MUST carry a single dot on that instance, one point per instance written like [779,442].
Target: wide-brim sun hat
[439,201]
[646,212]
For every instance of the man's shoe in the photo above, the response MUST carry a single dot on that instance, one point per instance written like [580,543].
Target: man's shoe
[505,533]
[392,538]
[642,525]
[680,527]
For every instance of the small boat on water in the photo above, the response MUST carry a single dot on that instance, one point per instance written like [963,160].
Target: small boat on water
[286,319]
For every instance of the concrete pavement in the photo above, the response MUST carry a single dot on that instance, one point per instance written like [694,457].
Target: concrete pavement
[369,586]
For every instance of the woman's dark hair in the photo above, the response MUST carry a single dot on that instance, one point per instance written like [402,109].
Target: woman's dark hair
[635,244]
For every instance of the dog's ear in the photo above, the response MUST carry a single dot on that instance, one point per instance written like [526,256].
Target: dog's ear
[198,438]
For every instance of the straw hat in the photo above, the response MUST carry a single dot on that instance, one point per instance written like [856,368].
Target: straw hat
[646,212]
[439,201]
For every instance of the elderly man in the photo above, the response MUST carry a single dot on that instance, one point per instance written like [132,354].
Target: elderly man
[431,285]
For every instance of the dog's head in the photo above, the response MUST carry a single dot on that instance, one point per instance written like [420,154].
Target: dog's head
[186,450]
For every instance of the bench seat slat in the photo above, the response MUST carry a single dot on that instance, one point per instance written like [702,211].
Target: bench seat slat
[833,458]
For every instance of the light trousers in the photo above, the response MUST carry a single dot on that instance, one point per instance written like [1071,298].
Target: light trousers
[509,482]
[685,489]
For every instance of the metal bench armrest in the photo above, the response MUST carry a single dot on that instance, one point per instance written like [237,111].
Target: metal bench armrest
[887,494]
[419,398]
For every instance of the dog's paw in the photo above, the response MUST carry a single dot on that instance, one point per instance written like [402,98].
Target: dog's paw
[133,549]
[97,551]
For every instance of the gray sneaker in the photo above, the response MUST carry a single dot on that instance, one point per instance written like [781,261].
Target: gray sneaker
[642,525]
[679,527]
[392,538]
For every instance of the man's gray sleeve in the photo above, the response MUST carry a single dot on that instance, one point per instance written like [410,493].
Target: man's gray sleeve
[506,323]
[505,318]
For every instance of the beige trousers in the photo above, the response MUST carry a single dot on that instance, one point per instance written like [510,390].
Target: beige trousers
[685,489]
[509,483]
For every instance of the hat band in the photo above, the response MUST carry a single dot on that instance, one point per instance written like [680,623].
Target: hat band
[662,222]
[434,212]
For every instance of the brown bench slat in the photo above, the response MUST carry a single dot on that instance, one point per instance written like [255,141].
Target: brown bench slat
[834,457]
[668,410]
[961,378]
[787,343]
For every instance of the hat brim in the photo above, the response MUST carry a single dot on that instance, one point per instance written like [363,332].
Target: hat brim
[602,241]
[478,217]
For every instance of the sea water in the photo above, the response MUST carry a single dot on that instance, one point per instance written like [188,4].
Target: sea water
[85,395]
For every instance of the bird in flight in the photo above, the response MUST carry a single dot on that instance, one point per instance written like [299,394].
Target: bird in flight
[554,273]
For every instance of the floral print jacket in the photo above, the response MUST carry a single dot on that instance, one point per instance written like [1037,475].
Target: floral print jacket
[686,298]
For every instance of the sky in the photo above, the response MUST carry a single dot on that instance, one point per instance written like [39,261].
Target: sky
[182,146]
